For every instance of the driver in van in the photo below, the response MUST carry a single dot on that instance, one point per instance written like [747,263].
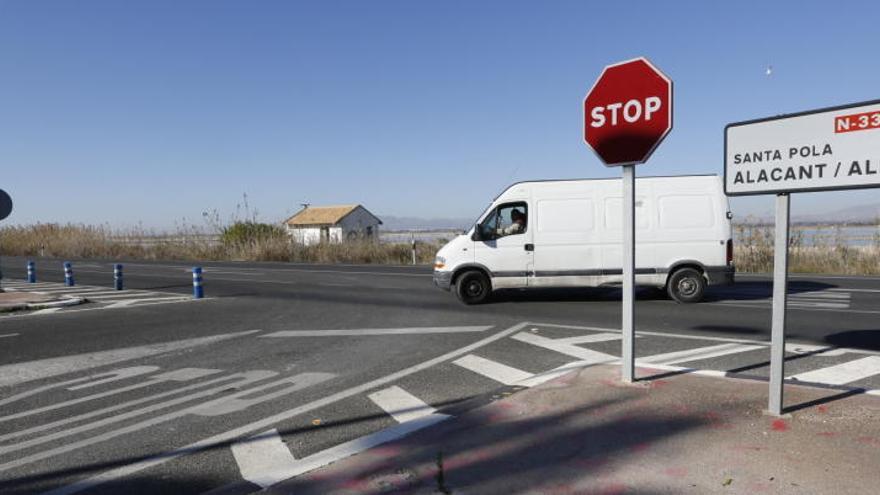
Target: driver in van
[517,225]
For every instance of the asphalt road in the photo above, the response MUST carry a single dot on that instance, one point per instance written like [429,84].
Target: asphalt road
[161,395]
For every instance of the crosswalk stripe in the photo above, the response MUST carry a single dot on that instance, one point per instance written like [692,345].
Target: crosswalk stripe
[264,459]
[581,353]
[698,353]
[400,404]
[28,284]
[493,370]
[68,290]
[842,373]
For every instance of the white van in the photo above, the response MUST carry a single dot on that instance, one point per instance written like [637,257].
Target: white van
[567,233]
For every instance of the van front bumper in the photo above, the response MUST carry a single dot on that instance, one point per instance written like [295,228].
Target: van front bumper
[721,275]
[443,280]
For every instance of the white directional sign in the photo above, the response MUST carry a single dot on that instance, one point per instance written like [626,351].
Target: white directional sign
[827,149]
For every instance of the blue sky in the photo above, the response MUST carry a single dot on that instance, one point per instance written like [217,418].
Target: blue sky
[125,112]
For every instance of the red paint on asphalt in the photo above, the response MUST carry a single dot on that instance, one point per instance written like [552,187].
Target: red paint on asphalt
[779,425]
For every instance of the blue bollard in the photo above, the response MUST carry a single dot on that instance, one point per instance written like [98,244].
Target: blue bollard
[117,276]
[198,290]
[32,272]
[68,274]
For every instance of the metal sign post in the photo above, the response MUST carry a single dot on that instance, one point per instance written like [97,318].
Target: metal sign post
[780,304]
[628,366]
[819,150]
[627,113]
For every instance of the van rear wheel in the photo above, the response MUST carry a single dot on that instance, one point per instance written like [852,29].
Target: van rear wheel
[472,287]
[686,285]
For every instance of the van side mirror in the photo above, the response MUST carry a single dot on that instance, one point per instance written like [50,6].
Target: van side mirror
[478,235]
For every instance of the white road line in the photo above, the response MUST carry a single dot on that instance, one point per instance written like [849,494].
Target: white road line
[9,335]
[71,290]
[333,454]
[400,404]
[581,353]
[816,350]
[842,373]
[586,339]
[35,391]
[858,290]
[46,311]
[122,294]
[311,462]
[225,380]
[375,331]
[697,337]
[264,459]
[27,285]
[184,374]
[490,369]
[698,353]
[299,382]
[128,302]
[15,373]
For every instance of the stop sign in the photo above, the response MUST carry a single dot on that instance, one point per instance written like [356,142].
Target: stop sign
[627,112]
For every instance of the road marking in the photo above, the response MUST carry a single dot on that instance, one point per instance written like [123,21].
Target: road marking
[35,391]
[842,373]
[331,455]
[587,339]
[698,353]
[581,353]
[264,459]
[698,337]
[128,302]
[311,462]
[46,311]
[858,290]
[70,291]
[375,331]
[400,404]
[121,294]
[9,335]
[12,374]
[225,380]
[234,403]
[304,380]
[184,374]
[493,370]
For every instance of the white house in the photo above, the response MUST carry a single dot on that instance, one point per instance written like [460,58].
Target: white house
[314,224]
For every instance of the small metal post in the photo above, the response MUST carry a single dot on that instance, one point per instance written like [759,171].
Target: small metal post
[627,372]
[68,274]
[413,241]
[31,272]
[198,289]
[780,301]
[117,276]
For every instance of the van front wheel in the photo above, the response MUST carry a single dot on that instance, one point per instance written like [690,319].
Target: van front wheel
[472,287]
[686,285]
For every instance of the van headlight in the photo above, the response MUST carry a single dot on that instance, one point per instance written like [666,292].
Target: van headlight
[439,263]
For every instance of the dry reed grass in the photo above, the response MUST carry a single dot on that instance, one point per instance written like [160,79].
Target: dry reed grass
[824,254]
[84,241]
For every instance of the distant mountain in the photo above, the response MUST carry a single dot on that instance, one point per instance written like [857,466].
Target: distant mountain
[869,213]
[391,222]
[855,214]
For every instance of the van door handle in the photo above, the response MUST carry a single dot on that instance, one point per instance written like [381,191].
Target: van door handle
[530,247]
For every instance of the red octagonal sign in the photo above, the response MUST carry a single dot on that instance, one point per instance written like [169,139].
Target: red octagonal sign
[628,112]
